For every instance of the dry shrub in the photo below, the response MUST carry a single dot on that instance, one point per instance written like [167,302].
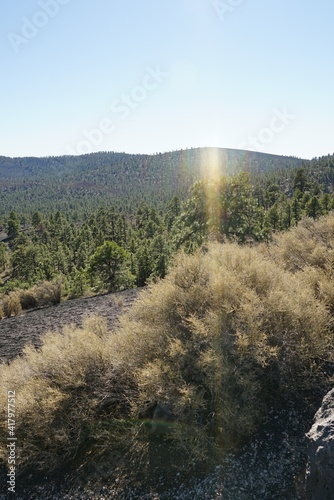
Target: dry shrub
[120,302]
[308,250]
[48,293]
[58,396]
[43,294]
[222,336]
[311,243]
[2,314]
[27,298]
[11,305]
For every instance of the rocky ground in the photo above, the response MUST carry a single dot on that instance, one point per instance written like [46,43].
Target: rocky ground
[270,466]
[15,332]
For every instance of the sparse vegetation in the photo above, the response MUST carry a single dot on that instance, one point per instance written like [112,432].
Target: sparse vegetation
[11,305]
[229,330]
[44,294]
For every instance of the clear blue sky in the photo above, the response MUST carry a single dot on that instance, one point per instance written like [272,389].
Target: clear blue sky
[146,76]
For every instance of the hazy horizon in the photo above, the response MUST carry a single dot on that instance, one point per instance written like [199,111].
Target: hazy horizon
[159,153]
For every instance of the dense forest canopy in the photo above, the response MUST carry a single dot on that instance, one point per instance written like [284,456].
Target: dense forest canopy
[78,185]
[118,246]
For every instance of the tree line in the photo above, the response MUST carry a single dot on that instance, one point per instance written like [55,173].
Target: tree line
[78,185]
[112,250]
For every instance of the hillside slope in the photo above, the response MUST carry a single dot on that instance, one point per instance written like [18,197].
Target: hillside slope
[18,331]
[82,183]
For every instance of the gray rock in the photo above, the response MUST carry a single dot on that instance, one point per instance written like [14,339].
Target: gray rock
[320,469]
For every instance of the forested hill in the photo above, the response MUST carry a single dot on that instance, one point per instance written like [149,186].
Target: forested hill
[80,184]
[229,161]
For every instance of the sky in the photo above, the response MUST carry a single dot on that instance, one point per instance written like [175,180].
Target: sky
[149,76]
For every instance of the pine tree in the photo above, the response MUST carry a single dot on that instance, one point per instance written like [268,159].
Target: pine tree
[313,208]
[296,210]
[26,263]
[3,256]
[325,203]
[36,219]
[108,263]
[159,256]
[273,217]
[13,226]
[144,264]
[300,181]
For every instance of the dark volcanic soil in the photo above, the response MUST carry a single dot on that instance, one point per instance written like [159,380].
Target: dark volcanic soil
[16,332]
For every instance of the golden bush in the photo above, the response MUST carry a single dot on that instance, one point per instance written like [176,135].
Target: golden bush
[219,336]
[27,298]
[226,332]
[48,293]
[59,396]
[308,250]
[11,305]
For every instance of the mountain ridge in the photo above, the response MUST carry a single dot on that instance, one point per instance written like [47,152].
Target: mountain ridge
[103,156]
[121,179]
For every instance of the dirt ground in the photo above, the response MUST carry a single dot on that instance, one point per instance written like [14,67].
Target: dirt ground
[15,332]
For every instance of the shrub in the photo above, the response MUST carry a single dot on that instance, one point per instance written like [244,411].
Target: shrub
[308,250]
[219,339]
[27,298]
[2,314]
[11,305]
[48,293]
[311,243]
[44,294]
[59,397]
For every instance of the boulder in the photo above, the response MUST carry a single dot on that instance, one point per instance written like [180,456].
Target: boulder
[320,469]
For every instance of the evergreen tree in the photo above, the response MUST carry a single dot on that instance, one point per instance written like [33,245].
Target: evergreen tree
[173,211]
[313,208]
[159,256]
[3,256]
[36,219]
[82,257]
[300,181]
[144,264]
[79,283]
[296,210]
[13,225]
[26,263]
[273,217]
[108,262]
[287,215]
[325,203]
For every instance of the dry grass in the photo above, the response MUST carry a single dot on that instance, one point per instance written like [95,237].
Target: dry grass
[225,333]
[308,250]
[120,302]
[47,293]
[11,305]
[58,395]
[43,294]
[220,336]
